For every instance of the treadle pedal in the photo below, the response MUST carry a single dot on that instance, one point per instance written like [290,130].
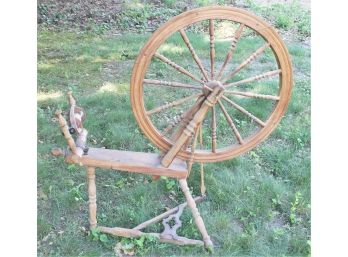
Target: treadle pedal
[170,229]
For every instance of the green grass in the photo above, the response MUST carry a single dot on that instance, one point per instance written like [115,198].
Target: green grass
[258,204]
[291,16]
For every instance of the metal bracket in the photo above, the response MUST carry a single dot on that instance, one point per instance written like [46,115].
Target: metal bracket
[170,229]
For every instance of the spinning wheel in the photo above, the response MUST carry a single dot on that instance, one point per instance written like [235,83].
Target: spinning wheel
[216,98]
[201,78]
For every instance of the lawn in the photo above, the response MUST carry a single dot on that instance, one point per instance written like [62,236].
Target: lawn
[258,204]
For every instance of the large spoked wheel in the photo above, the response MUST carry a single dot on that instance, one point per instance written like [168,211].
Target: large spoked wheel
[172,73]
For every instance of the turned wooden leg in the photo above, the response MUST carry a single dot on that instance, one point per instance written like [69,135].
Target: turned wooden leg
[92,197]
[196,216]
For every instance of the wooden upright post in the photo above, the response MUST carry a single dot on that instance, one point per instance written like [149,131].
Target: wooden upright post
[195,213]
[193,124]
[92,197]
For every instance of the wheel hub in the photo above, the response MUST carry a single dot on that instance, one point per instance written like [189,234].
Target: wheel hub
[210,85]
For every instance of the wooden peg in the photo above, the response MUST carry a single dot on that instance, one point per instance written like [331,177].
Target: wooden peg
[64,128]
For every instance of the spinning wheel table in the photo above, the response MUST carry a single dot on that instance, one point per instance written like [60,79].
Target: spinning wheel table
[177,102]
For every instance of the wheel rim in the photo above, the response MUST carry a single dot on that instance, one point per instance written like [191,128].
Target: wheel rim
[187,19]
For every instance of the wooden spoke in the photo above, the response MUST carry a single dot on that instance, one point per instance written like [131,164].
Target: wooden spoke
[173,135]
[241,109]
[230,121]
[172,104]
[235,39]
[170,84]
[251,58]
[177,67]
[213,127]
[212,48]
[194,55]
[249,94]
[255,78]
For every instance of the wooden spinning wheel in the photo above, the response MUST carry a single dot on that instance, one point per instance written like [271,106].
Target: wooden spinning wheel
[178,102]
[200,81]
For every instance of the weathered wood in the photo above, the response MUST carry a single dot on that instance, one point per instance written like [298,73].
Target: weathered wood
[125,232]
[177,67]
[212,47]
[64,128]
[251,58]
[187,117]
[230,52]
[170,84]
[232,125]
[158,218]
[189,130]
[195,213]
[92,197]
[137,162]
[250,94]
[173,104]
[213,130]
[194,55]
[268,74]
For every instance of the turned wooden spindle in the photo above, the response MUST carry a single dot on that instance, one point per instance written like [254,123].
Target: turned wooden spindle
[194,55]
[170,84]
[92,197]
[268,74]
[64,128]
[250,94]
[231,123]
[177,67]
[190,128]
[251,58]
[212,47]
[195,213]
[233,46]
[242,110]
[172,104]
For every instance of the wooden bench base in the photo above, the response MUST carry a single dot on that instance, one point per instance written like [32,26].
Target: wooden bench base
[144,163]
[136,231]
[138,162]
